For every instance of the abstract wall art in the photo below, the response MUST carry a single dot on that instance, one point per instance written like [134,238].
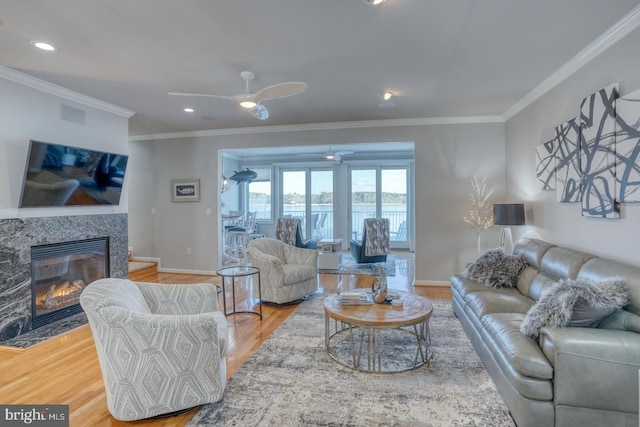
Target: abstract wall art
[628,147]
[596,156]
[598,153]
[567,155]
[546,164]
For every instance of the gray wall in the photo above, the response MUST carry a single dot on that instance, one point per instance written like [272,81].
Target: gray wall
[562,223]
[27,113]
[447,157]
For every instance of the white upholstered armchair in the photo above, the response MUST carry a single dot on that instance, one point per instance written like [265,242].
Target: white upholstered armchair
[287,273]
[162,348]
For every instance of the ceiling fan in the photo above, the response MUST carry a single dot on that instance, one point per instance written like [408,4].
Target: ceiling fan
[330,155]
[252,102]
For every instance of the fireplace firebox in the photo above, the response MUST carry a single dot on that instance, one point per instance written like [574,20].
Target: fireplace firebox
[59,273]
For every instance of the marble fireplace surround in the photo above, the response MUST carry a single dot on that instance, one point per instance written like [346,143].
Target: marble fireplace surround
[18,235]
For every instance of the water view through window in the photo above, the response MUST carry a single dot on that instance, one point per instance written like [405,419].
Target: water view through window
[374,192]
[379,193]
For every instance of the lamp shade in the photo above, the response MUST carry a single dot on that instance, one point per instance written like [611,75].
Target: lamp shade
[508,214]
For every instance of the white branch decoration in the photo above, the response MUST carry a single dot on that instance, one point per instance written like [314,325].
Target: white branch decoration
[481,215]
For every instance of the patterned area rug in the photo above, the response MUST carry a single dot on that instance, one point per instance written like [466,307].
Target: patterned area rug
[291,381]
[348,265]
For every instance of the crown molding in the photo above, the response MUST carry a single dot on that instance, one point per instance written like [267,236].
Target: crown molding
[615,33]
[62,92]
[321,126]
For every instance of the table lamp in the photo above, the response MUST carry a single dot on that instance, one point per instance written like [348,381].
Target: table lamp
[508,214]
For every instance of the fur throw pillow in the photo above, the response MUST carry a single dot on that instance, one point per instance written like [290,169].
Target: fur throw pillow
[575,303]
[495,268]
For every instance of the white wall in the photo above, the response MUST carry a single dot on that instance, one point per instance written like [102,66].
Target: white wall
[447,157]
[562,223]
[27,113]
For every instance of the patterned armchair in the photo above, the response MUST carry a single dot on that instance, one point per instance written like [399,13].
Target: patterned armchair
[375,241]
[162,348]
[287,273]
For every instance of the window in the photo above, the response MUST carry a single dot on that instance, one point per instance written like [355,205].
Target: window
[307,194]
[259,197]
[381,192]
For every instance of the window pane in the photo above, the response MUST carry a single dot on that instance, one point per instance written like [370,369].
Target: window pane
[260,195]
[321,204]
[394,201]
[363,199]
[293,195]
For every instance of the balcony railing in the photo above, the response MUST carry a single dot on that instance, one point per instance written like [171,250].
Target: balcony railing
[322,222]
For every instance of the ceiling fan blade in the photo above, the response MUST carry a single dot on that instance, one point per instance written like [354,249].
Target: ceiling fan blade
[342,153]
[231,98]
[260,112]
[280,90]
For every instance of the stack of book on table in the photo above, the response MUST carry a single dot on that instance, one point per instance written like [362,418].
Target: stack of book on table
[355,298]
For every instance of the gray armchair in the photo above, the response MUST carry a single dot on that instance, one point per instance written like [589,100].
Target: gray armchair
[287,273]
[162,348]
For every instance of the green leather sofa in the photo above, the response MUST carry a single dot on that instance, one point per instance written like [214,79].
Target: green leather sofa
[571,376]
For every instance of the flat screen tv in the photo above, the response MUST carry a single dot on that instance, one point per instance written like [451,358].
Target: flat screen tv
[61,175]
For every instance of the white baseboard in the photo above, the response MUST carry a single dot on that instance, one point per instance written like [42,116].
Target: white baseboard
[431,283]
[174,270]
[185,271]
[147,259]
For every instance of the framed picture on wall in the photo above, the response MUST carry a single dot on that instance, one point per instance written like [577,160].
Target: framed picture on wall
[185,190]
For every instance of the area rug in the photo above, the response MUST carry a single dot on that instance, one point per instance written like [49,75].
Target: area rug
[291,381]
[348,265]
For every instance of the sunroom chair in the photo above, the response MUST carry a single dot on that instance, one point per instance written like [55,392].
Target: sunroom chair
[401,234]
[289,231]
[317,224]
[240,236]
[375,241]
[287,273]
[162,348]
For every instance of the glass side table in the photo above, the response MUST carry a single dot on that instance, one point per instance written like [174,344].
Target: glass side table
[234,273]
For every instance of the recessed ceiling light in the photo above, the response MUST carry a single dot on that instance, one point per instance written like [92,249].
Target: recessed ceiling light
[188,110]
[43,45]
[387,95]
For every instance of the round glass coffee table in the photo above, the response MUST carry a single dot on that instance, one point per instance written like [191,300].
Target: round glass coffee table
[379,338]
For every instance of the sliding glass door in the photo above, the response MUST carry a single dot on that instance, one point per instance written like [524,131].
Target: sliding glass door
[307,194]
[380,192]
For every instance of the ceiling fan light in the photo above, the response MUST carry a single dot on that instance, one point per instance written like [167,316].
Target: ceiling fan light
[43,45]
[329,156]
[248,104]
[387,95]
[375,2]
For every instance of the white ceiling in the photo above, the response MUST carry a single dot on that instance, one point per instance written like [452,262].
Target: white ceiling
[443,58]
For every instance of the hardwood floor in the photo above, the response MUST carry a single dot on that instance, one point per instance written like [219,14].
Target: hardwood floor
[65,369]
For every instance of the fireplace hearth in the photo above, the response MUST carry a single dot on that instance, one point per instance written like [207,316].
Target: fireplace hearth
[59,274]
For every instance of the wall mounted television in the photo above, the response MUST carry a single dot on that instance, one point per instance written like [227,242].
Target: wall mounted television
[62,175]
